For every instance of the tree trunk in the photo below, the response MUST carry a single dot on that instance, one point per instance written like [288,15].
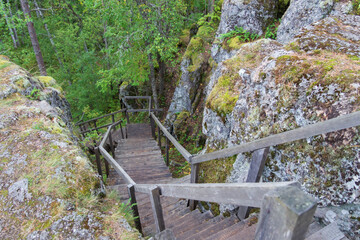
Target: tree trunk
[38,11]
[9,25]
[33,37]
[13,25]
[162,68]
[153,80]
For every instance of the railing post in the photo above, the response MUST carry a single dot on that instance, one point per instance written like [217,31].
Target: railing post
[127,116]
[159,137]
[167,151]
[122,133]
[157,210]
[111,144]
[113,118]
[152,124]
[257,164]
[134,207]
[98,163]
[286,214]
[194,179]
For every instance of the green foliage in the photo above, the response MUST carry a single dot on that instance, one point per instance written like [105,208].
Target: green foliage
[240,33]
[271,30]
[356,7]
[34,94]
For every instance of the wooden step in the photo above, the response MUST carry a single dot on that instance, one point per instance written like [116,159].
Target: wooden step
[214,228]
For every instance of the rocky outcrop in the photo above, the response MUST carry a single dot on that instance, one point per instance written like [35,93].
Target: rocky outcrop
[302,13]
[265,87]
[252,15]
[48,188]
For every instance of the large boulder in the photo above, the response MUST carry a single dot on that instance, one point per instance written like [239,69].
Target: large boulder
[252,15]
[267,88]
[302,13]
[48,187]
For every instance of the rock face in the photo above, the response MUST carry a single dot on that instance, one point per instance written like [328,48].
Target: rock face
[252,15]
[302,13]
[48,188]
[265,87]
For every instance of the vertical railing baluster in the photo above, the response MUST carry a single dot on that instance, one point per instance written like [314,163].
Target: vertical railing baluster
[134,207]
[193,179]
[98,162]
[167,151]
[157,210]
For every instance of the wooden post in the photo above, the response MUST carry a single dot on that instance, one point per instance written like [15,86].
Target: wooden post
[111,145]
[257,164]
[134,207]
[194,179]
[157,210]
[113,118]
[152,127]
[286,214]
[159,137]
[167,151]
[127,116]
[122,133]
[98,163]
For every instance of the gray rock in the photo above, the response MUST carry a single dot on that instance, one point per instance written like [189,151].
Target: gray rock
[19,190]
[39,235]
[254,16]
[337,34]
[302,13]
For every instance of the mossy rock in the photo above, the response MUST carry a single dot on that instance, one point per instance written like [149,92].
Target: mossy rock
[223,96]
[184,38]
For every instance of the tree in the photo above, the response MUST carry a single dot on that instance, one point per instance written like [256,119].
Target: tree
[33,37]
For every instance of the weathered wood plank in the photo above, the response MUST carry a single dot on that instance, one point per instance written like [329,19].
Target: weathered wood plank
[157,210]
[116,166]
[193,179]
[286,214]
[134,207]
[137,97]
[178,146]
[103,116]
[145,110]
[98,162]
[330,232]
[248,194]
[335,124]
[254,174]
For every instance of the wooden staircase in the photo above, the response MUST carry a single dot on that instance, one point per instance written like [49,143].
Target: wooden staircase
[159,201]
[141,158]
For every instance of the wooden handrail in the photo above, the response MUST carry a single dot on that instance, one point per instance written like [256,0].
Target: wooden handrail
[262,195]
[103,116]
[332,125]
[112,161]
[248,194]
[137,97]
[178,146]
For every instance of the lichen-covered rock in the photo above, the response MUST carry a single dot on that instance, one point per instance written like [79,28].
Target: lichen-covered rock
[17,80]
[302,13]
[336,33]
[252,15]
[48,188]
[279,88]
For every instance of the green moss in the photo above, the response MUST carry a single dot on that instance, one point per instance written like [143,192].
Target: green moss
[185,37]
[234,43]
[215,209]
[195,52]
[216,171]
[223,96]
[49,82]
[4,64]
[206,33]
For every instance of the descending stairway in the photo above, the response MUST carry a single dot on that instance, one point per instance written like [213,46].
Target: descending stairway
[140,156]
